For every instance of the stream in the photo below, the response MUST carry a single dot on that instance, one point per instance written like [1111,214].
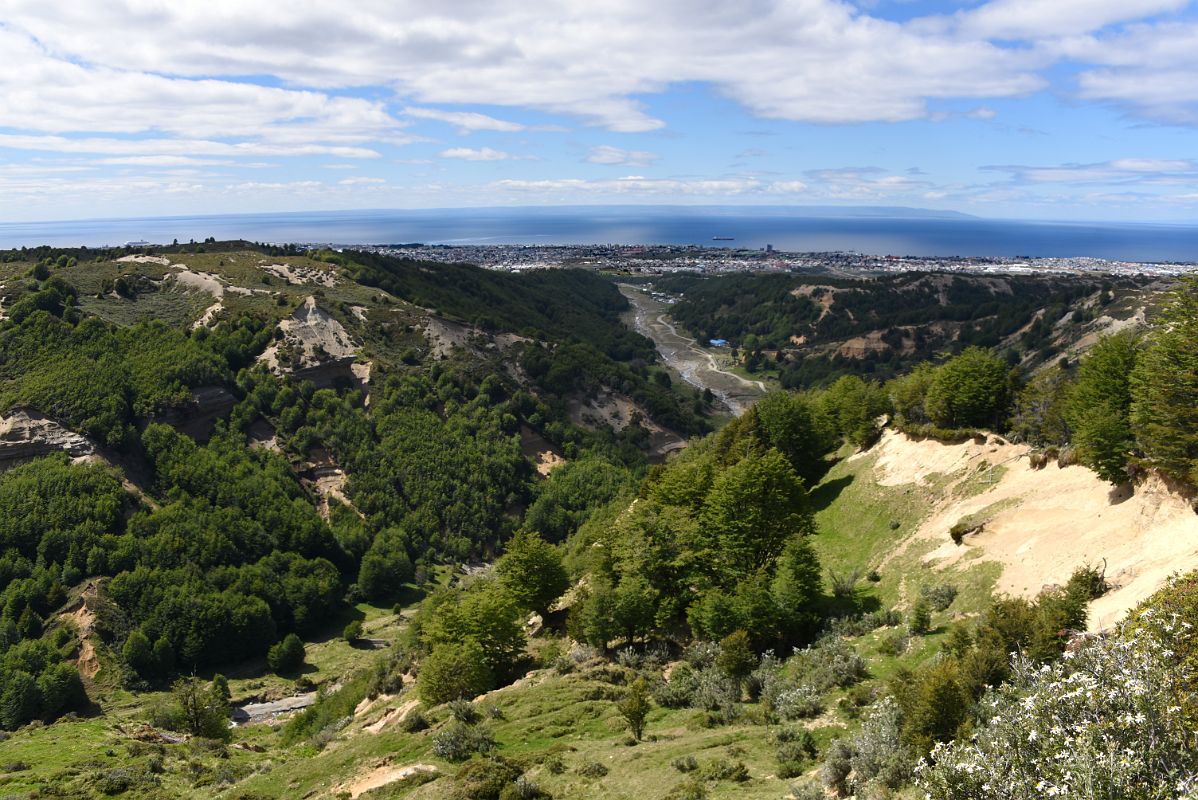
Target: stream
[697,366]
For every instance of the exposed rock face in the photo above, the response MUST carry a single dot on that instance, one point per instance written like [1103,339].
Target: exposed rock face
[26,435]
[311,341]
[198,418]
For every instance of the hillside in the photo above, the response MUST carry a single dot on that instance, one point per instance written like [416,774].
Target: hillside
[1041,523]
[807,331]
[473,554]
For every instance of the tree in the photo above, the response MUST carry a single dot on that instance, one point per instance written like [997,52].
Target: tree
[1098,406]
[635,707]
[971,389]
[790,425]
[736,658]
[797,588]
[287,655]
[532,572]
[1164,385]
[385,568]
[139,654]
[1039,416]
[485,613]
[203,709]
[753,509]
[452,671]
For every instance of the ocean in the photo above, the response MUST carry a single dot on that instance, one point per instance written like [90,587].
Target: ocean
[873,232]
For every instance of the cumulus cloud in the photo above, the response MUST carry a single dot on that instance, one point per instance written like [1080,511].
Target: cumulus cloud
[616,156]
[809,60]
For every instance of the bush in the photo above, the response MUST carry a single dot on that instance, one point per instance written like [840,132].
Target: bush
[592,769]
[875,754]
[678,691]
[454,671]
[939,597]
[464,711]
[685,764]
[458,741]
[485,778]
[287,656]
[1051,727]
[830,662]
[798,702]
[353,631]
[690,789]
[920,618]
[723,770]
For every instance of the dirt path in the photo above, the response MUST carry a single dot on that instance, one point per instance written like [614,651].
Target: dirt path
[697,366]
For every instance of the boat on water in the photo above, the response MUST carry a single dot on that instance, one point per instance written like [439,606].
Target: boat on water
[723,238]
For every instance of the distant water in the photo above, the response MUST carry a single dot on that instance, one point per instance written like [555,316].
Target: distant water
[784,229]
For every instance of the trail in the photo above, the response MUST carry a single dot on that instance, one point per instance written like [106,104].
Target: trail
[696,365]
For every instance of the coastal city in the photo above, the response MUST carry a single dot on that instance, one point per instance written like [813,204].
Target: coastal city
[662,259]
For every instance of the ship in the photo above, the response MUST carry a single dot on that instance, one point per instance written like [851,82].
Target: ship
[723,238]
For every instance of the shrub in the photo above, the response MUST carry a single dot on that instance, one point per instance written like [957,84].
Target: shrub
[875,754]
[723,770]
[701,654]
[635,707]
[920,618]
[895,643]
[830,662]
[690,789]
[286,656]
[678,691]
[453,671]
[458,741]
[592,769]
[939,597]
[714,691]
[1052,730]
[485,778]
[353,631]
[844,584]
[798,702]
[464,711]
[524,788]
[413,722]
[685,764]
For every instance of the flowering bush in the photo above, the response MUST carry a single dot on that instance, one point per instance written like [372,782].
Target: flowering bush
[1106,721]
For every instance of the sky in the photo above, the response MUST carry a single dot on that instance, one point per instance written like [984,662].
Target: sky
[1028,109]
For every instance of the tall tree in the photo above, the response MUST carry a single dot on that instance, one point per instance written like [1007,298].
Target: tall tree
[1164,409]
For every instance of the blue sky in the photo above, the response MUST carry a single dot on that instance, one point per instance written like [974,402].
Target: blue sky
[1035,109]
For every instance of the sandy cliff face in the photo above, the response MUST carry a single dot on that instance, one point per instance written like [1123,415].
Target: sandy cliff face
[25,434]
[1041,524]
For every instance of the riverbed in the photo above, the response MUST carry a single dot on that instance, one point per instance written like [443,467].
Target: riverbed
[696,365]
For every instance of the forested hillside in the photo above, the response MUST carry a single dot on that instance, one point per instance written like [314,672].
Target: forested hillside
[810,330]
[558,609]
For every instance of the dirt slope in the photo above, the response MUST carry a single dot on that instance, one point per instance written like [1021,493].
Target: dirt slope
[1042,524]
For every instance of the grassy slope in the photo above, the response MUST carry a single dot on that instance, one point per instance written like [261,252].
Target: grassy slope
[570,714]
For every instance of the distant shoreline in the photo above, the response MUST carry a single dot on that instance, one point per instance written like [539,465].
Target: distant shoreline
[877,231]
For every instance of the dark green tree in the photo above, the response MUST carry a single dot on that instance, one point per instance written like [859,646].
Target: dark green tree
[1164,410]
[452,671]
[531,570]
[635,707]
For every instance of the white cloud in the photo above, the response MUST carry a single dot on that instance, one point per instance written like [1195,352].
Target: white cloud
[1122,171]
[615,156]
[479,154]
[811,60]
[361,181]
[1039,19]
[464,121]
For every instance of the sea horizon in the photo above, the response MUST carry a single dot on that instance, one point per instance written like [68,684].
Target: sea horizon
[872,230]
